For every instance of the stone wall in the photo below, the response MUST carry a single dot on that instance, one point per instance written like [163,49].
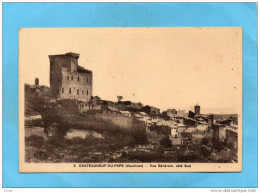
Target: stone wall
[76,86]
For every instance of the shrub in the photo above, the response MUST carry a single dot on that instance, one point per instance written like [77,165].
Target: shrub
[35,141]
[166,142]
[205,151]
[144,156]
[204,141]
[230,145]
[140,137]
[218,145]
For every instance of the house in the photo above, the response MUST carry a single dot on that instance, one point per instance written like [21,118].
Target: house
[202,126]
[142,116]
[151,110]
[171,124]
[174,132]
[183,138]
[189,121]
[191,115]
[126,113]
[138,116]
[223,133]
[191,130]
[181,127]
[181,113]
[179,119]
[229,122]
[162,122]
[164,116]
[200,119]
[161,129]
[171,113]
[156,120]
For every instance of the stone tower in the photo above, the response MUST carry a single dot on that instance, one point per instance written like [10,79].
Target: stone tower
[36,82]
[197,109]
[68,80]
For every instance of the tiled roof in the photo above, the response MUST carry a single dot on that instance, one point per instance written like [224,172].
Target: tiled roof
[82,69]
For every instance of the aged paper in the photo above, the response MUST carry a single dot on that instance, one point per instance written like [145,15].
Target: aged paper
[130,99]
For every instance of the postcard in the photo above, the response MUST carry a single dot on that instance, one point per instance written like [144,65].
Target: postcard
[157,99]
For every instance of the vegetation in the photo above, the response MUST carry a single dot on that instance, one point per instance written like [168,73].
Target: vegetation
[118,144]
[166,142]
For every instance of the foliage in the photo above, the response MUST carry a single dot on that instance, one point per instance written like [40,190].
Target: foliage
[142,156]
[204,141]
[119,98]
[205,151]
[218,145]
[35,140]
[166,142]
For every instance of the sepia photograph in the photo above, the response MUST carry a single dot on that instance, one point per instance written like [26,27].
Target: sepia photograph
[154,99]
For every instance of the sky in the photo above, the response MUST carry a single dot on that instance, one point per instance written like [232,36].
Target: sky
[163,67]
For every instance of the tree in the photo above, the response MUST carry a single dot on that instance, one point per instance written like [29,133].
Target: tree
[204,141]
[119,98]
[205,151]
[166,142]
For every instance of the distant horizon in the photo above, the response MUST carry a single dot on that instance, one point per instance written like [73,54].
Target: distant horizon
[167,68]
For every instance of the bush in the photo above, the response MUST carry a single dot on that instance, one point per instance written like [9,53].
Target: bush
[34,123]
[205,151]
[204,141]
[230,145]
[140,137]
[144,156]
[166,142]
[35,141]
[218,145]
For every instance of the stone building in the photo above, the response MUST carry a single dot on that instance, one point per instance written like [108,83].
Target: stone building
[197,109]
[171,113]
[151,110]
[68,80]
[181,113]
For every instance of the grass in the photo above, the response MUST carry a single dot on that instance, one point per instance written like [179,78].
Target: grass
[58,149]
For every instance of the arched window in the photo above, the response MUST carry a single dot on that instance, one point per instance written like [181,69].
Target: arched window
[77,91]
[62,90]
[68,77]
[70,91]
[87,92]
[78,78]
[71,77]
